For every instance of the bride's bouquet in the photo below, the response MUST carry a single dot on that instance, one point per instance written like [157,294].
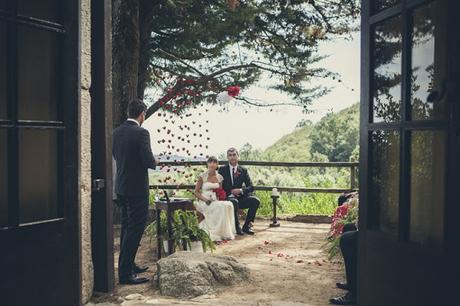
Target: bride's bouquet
[220,194]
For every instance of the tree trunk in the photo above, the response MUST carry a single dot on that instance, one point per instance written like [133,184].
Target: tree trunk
[146,11]
[126,44]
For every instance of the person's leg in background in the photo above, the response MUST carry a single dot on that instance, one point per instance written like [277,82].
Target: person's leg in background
[349,248]
[349,227]
[252,204]
[137,210]
[122,204]
[235,203]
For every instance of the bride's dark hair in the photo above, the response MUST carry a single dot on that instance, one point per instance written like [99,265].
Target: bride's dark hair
[212,159]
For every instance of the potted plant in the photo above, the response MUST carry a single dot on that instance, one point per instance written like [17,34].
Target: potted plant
[188,234]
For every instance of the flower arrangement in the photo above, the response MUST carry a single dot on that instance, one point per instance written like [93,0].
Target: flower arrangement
[220,194]
[227,95]
[345,214]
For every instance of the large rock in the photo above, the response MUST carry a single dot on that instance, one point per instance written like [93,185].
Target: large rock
[190,274]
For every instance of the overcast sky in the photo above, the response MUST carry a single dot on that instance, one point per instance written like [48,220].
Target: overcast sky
[260,127]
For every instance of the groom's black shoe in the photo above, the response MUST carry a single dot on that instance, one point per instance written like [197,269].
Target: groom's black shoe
[248,230]
[343,286]
[134,280]
[138,270]
[347,299]
[238,230]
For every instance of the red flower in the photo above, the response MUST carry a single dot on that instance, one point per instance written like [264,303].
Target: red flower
[220,194]
[337,225]
[233,91]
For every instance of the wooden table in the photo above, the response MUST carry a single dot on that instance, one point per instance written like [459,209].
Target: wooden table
[170,206]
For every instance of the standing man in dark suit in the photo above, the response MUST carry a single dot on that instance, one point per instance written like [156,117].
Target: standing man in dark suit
[241,197]
[133,156]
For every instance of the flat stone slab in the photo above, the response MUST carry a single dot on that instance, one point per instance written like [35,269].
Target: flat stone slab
[190,274]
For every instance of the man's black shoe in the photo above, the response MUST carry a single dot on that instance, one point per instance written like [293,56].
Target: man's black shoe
[239,232]
[343,286]
[134,280]
[138,270]
[347,299]
[248,231]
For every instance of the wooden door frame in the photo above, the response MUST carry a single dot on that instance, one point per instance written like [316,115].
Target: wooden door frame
[101,145]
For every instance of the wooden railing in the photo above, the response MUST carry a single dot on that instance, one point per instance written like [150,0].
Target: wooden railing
[353,166]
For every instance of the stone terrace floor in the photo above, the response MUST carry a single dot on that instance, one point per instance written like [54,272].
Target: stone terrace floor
[287,267]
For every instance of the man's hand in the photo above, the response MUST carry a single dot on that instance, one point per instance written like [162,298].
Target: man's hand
[237,191]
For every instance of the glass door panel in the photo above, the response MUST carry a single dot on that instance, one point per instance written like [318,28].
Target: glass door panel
[38,74]
[380,5]
[3,71]
[48,10]
[384,171]
[3,178]
[38,175]
[427,57]
[387,58]
[428,156]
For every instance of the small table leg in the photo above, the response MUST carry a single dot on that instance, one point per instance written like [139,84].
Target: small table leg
[159,235]
[170,230]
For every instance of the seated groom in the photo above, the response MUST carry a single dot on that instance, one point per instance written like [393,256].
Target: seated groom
[234,178]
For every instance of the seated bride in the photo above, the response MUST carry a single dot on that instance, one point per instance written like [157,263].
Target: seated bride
[219,219]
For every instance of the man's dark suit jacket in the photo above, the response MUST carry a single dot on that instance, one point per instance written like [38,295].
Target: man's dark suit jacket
[133,155]
[242,177]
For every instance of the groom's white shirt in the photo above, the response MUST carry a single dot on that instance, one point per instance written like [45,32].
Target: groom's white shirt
[134,120]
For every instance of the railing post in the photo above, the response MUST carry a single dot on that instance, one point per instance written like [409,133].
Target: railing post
[353,177]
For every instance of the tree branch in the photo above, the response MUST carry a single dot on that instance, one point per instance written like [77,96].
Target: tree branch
[321,13]
[181,61]
[247,101]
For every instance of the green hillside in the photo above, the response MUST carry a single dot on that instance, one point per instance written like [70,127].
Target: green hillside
[333,138]
[291,147]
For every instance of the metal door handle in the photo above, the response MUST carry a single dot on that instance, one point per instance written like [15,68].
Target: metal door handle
[98,184]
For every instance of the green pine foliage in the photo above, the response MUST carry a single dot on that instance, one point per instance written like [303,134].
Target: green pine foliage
[216,44]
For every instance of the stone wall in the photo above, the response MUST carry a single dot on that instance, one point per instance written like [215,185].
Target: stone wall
[85,151]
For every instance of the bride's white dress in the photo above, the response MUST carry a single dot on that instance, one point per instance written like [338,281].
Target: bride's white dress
[219,219]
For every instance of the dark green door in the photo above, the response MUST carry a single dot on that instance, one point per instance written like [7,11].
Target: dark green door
[408,147]
[39,102]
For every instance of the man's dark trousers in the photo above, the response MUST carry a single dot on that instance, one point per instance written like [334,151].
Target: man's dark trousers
[349,248]
[134,211]
[251,203]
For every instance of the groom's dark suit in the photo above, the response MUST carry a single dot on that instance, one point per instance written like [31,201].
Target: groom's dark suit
[133,155]
[245,200]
